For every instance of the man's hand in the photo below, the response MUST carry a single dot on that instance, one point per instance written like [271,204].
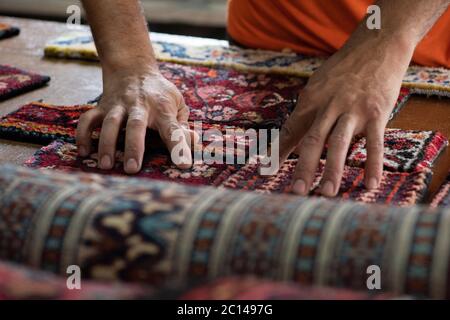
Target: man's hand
[135,94]
[354,92]
[351,94]
[137,100]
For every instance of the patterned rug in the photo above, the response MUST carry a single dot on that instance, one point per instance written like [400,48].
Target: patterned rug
[233,98]
[193,51]
[21,283]
[157,164]
[222,100]
[401,189]
[154,233]
[442,198]
[404,151]
[7,31]
[15,81]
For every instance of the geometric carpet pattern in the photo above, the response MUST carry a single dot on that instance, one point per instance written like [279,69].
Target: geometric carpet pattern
[396,188]
[155,233]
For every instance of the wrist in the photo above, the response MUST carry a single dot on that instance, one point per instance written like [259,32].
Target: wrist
[130,67]
[394,50]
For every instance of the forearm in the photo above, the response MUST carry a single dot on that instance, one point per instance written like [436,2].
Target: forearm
[403,22]
[121,34]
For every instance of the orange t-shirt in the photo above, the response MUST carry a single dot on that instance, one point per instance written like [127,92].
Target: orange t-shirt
[319,27]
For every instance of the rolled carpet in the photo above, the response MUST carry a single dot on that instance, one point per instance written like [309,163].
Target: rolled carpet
[153,232]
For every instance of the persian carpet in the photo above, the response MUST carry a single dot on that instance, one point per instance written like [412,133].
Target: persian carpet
[153,232]
[42,123]
[7,31]
[233,98]
[402,189]
[15,81]
[442,198]
[404,151]
[80,45]
[262,105]
[19,283]
[157,164]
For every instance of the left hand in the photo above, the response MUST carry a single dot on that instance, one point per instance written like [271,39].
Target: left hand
[353,93]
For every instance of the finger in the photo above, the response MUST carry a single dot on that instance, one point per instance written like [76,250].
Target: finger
[338,145]
[311,147]
[108,137]
[375,155]
[87,123]
[135,139]
[292,131]
[178,141]
[183,114]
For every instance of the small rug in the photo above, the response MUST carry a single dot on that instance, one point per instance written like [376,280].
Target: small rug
[263,102]
[7,31]
[234,98]
[442,198]
[15,81]
[42,123]
[179,49]
[157,164]
[404,151]
[396,188]
[401,189]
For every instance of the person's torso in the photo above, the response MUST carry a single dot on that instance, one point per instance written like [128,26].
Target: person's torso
[319,27]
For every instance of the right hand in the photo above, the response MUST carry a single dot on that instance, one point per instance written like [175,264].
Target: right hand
[139,100]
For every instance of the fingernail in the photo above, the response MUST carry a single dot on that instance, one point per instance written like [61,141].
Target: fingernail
[299,187]
[132,166]
[106,163]
[82,151]
[327,189]
[373,184]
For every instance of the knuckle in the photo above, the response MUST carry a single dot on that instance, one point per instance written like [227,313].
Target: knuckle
[312,138]
[136,122]
[346,118]
[113,118]
[339,139]
[376,146]
[160,100]
[374,111]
